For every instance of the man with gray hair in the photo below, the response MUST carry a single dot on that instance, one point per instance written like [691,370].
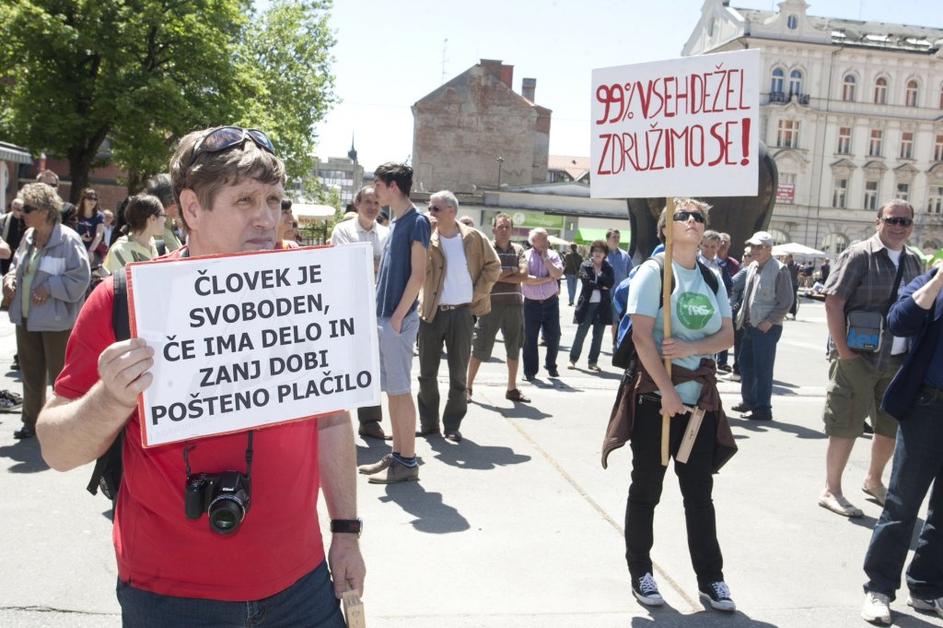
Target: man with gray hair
[862,362]
[461,268]
[541,291]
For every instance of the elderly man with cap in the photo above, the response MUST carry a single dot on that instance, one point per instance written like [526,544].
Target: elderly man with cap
[767,298]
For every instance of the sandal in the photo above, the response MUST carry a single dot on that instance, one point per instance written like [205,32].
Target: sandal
[516,395]
[839,505]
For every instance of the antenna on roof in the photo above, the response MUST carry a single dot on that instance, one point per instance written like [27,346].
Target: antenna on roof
[445,45]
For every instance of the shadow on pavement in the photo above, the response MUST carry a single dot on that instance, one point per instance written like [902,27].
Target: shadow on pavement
[470,455]
[668,617]
[868,523]
[432,515]
[517,411]
[763,426]
[370,450]
[910,621]
[553,382]
[27,456]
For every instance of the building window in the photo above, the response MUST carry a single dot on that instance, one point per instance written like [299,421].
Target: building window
[870,194]
[907,145]
[787,134]
[938,148]
[795,82]
[903,191]
[787,188]
[910,96]
[839,193]
[776,84]
[874,149]
[848,88]
[792,22]
[844,140]
[935,204]
[880,91]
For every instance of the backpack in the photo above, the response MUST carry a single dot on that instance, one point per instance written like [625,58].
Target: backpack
[624,356]
[107,472]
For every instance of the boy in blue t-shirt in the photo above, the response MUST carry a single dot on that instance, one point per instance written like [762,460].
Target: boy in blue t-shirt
[399,279]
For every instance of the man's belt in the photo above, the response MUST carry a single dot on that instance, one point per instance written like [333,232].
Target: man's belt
[449,308]
[541,300]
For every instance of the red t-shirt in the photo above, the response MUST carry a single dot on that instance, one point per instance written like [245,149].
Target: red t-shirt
[157,547]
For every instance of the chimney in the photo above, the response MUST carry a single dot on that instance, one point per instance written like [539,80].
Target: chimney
[504,73]
[528,86]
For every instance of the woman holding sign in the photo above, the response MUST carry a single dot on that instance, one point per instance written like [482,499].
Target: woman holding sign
[701,326]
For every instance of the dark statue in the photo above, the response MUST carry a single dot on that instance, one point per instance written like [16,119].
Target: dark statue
[740,216]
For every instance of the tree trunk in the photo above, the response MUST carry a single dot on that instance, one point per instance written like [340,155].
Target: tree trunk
[80,162]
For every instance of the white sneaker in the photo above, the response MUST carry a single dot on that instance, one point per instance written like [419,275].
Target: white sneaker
[718,596]
[646,591]
[876,608]
[931,606]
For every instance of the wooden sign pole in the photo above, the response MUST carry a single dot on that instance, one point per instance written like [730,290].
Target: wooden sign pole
[666,304]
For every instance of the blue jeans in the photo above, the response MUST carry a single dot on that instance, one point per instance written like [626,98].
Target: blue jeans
[308,602]
[541,314]
[598,327]
[918,463]
[571,281]
[757,355]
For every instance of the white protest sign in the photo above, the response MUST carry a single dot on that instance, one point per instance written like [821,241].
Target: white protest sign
[682,127]
[254,339]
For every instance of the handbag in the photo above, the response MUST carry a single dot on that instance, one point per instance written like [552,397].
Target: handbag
[864,330]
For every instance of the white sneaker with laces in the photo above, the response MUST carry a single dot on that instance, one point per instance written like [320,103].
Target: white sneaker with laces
[718,596]
[931,606]
[876,608]
[646,591]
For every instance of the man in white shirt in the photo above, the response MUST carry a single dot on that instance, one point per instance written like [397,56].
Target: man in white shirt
[462,267]
[365,228]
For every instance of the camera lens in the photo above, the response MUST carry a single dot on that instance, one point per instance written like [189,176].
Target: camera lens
[226,512]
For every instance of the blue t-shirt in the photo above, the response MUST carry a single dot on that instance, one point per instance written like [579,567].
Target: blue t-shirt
[696,312]
[87,227]
[396,263]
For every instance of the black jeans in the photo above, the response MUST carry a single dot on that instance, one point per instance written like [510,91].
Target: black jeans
[541,314]
[918,463]
[454,329]
[696,486]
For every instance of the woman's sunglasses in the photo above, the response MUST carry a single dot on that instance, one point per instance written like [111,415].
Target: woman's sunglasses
[684,216]
[226,137]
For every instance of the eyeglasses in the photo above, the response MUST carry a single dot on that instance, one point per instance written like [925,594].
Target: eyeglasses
[29,209]
[434,208]
[226,137]
[684,216]
[895,220]
[92,197]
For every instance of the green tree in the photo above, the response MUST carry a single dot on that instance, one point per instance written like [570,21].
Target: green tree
[142,73]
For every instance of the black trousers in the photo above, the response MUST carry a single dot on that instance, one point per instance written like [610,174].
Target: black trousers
[696,486]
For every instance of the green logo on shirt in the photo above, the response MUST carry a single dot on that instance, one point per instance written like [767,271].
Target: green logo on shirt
[694,310]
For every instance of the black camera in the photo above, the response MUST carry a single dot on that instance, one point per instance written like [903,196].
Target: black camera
[224,497]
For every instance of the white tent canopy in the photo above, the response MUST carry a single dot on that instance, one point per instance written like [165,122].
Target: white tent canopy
[306,212]
[794,248]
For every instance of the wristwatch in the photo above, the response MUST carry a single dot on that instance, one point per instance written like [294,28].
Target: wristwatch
[347,526]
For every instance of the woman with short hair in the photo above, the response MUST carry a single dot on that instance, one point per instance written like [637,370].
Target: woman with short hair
[144,221]
[47,283]
[594,306]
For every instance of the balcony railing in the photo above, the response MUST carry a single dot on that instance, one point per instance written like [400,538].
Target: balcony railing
[783,97]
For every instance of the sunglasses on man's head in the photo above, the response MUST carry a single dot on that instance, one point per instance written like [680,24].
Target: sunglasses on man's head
[226,137]
[684,216]
[897,220]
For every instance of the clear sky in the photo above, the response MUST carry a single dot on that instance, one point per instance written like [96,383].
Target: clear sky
[391,53]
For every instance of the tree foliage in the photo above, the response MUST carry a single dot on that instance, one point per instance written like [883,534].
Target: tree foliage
[142,73]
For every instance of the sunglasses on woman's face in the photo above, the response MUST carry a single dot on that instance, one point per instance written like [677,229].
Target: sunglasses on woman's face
[29,209]
[91,197]
[684,216]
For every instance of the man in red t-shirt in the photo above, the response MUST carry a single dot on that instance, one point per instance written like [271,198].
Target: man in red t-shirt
[173,570]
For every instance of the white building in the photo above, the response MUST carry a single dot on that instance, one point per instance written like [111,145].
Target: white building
[852,112]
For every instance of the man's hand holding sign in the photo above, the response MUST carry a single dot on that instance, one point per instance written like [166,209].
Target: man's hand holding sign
[208,399]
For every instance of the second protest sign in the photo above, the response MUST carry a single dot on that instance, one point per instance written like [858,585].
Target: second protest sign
[250,340]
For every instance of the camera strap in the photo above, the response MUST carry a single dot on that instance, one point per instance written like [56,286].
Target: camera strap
[249,451]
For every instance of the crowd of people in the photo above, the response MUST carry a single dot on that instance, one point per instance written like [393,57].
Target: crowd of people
[441,284]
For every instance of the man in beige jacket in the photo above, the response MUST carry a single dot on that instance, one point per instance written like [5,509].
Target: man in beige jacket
[462,267]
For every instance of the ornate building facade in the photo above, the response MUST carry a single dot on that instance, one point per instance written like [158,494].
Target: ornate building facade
[852,112]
